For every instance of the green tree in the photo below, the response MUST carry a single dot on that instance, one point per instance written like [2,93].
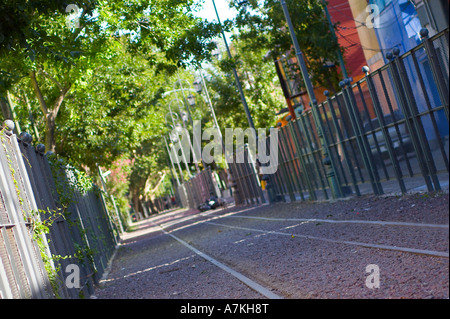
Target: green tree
[262,25]
[92,82]
[260,85]
[56,57]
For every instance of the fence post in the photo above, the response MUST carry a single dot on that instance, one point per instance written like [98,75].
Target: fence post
[17,242]
[302,125]
[387,138]
[327,161]
[298,148]
[273,181]
[362,143]
[435,69]
[254,176]
[410,123]
[341,138]
[413,110]
[286,176]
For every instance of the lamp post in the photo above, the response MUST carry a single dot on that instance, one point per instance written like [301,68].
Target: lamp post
[175,138]
[184,119]
[327,161]
[199,84]
[178,162]
[236,77]
[172,169]
[189,101]
[333,34]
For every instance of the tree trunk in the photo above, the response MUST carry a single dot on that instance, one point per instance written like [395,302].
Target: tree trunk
[50,129]
[50,114]
[5,109]
[136,205]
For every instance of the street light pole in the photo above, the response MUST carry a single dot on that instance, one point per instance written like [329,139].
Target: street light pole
[194,156]
[333,34]
[203,84]
[171,161]
[327,161]
[186,103]
[236,77]
[181,146]
[228,170]
[197,145]
[178,162]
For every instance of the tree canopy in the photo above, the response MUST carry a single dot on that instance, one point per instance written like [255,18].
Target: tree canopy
[87,78]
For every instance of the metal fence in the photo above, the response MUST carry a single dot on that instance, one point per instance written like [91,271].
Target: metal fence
[388,132]
[81,235]
[246,179]
[197,189]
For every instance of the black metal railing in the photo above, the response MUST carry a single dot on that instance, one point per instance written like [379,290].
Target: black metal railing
[387,132]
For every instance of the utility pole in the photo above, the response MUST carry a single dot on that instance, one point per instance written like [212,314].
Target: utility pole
[333,34]
[236,77]
[327,161]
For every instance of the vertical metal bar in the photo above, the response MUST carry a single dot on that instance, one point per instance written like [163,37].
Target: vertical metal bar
[369,122]
[412,131]
[291,162]
[387,138]
[23,241]
[43,279]
[333,141]
[241,182]
[286,175]
[245,182]
[303,154]
[341,138]
[316,160]
[295,171]
[255,178]
[397,130]
[348,133]
[331,175]
[412,108]
[249,174]
[436,70]
[304,169]
[365,143]
[274,178]
[430,109]
[362,148]
[327,160]
[236,181]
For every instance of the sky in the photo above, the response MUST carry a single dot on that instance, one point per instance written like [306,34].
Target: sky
[222,7]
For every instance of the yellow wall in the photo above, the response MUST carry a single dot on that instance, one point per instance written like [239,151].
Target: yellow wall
[367,35]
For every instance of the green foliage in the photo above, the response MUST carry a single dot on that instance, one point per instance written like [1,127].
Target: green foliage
[95,93]
[68,181]
[260,85]
[41,221]
[262,25]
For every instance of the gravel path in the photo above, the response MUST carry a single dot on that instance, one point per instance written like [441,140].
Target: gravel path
[290,249]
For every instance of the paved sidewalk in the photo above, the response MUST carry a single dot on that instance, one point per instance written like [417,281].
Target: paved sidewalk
[294,250]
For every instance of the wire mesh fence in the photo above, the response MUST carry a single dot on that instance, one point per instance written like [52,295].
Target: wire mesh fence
[48,227]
